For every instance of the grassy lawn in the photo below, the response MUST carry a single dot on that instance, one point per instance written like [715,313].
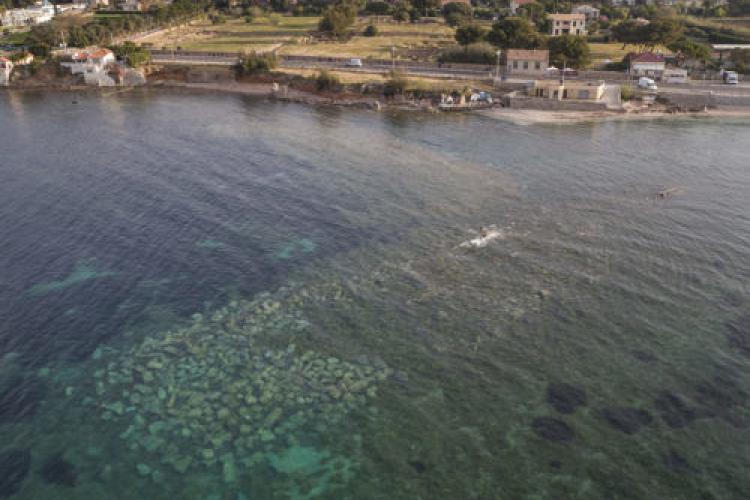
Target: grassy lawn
[235,35]
[410,40]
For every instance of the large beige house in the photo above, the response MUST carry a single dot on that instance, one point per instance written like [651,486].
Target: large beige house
[571,24]
[534,61]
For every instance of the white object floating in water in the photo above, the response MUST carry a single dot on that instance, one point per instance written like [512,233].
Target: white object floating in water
[485,236]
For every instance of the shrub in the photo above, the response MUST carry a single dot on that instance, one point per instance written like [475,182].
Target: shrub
[254,63]
[274,19]
[218,19]
[325,80]
[378,7]
[396,83]
[371,30]
[626,92]
[477,53]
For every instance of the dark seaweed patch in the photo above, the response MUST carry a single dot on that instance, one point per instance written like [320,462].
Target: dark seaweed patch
[565,397]
[418,466]
[643,356]
[739,334]
[673,409]
[552,429]
[57,470]
[625,419]
[676,462]
[19,400]
[14,467]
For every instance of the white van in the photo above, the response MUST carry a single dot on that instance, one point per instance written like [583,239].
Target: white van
[354,62]
[675,76]
[646,83]
[731,78]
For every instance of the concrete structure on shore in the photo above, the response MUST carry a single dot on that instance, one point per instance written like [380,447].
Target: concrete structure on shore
[93,66]
[6,67]
[530,62]
[567,24]
[571,89]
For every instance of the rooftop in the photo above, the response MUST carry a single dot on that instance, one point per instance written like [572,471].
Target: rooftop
[528,55]
[647,57]
[566,17]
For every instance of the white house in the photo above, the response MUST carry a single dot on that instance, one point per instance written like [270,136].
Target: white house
[591,13]
[571,24]
[93,66]
[30,15]
[647,64]
[5,69]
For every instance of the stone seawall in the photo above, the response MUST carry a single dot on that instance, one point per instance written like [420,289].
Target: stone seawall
[523,102]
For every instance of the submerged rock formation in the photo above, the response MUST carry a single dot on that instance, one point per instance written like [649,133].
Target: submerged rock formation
[216,393]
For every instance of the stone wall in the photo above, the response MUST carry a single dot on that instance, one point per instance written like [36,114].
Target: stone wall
[524,102]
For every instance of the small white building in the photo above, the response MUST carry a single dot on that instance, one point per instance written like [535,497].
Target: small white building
[647,64]
[591,13]
[6,67]
[567,24]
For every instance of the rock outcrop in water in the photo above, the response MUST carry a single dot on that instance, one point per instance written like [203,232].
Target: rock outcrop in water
[14,467]
[565,398]
[216,393]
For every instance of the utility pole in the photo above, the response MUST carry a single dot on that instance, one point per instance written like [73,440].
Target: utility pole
[497,67]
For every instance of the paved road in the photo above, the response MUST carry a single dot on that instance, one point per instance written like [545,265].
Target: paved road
[431,70]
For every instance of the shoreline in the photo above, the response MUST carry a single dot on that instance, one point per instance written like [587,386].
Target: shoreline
[517,116]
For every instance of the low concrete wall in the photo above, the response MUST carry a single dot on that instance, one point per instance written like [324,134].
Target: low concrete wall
[524,102]
[708,99]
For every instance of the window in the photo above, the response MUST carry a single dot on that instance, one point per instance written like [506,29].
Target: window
[583,94]
[565,93]
[538,65]
[515,64]
[574,23]
[526,65]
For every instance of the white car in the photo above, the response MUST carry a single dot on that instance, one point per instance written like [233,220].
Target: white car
[731,78]
[646,83]
[354,62]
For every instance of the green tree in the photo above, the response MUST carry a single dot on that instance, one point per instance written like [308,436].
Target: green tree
[337,18]
[401,11]
[569,50]
[663,32]
[456,12]
[514,33]
[371,30]
[469,33]
[424,7]
[688,49]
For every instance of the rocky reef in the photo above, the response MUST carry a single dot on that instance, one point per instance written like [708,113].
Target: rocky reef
[226,390]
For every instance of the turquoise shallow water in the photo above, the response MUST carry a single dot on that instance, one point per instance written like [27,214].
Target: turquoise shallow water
[213,297]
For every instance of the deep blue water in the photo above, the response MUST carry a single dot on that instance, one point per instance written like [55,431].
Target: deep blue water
[214,297]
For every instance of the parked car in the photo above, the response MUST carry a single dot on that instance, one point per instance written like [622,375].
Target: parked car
[731,78]
[646,83]
[354,62]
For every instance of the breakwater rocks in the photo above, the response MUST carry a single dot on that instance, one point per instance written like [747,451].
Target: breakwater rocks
[220,392]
